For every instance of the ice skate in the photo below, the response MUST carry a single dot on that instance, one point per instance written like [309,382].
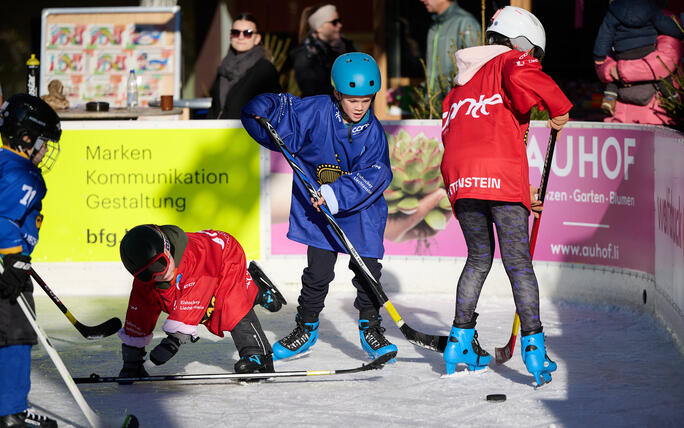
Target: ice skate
[463,347]
[27,418]
[535,358]
[373,341]
[269,296]
[302,338]
[254,363]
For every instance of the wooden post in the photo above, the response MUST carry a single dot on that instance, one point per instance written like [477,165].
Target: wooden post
[380,55]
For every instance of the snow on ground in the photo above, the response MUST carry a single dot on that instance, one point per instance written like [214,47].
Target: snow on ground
[615,368]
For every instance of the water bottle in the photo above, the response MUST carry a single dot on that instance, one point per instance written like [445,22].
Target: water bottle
[32,73]
[132,91]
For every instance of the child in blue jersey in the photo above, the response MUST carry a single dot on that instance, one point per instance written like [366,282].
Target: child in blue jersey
[339,143]
[30,132]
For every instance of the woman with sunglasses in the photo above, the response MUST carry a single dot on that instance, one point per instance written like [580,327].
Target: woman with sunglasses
[320,44]
[196,278]
[245,71]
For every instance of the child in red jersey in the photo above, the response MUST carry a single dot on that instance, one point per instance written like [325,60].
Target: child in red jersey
[197,278]
[484,122]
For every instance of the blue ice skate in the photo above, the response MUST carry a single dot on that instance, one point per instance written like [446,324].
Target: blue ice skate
[302,338]
[463,347]
[373,341]
[536,360]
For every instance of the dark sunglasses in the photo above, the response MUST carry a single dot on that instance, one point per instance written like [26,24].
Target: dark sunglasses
[158,265]
[247,34]
[336,21]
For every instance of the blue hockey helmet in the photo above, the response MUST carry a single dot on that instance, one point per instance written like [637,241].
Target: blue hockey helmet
[355,73]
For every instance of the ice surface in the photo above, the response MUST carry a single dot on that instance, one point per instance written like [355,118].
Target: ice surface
[615,368]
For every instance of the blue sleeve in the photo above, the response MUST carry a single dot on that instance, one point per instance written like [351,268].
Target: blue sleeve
[21,194]
[666,25]
[370,175]
[281,112]
[605,37]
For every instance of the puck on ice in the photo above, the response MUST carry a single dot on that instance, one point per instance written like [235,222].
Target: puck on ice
[496,397]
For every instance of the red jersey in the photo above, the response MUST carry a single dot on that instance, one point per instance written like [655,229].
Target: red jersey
[484,121]
[212,286]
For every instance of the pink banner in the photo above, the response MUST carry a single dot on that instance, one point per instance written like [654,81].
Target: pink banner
[598,209]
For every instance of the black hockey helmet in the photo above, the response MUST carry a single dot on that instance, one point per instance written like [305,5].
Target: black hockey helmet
[142,252]
[24,115]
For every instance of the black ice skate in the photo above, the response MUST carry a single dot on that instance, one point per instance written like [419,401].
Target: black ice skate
[254,363]
[269,297]
[27,418]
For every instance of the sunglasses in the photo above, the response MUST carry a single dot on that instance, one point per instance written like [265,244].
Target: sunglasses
[156,267]
[336,21]
[247,34]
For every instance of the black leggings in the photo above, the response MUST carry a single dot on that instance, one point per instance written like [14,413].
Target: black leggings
[319,274]
[249,337]
[511,220]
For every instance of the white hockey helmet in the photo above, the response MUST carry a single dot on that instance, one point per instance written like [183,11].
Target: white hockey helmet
[521,27]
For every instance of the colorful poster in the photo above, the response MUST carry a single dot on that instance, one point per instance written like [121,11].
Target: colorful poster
[105,36]
[598,209]
[107,61]
[146,35]
[63,62]
[153,60]
[107,180]
[61,36]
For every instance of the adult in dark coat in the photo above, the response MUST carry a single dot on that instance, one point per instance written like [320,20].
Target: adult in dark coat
[321,43]
[244,73]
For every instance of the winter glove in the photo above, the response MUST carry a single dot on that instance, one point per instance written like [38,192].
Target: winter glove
[168,347]
[133,362]
[14,276]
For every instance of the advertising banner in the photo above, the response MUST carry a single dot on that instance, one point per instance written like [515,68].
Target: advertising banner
[106,181]
[669,215]
[598,209]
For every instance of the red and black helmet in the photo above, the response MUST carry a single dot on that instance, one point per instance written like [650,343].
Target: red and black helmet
[142,252]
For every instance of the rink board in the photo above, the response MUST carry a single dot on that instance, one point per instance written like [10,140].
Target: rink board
[611,231]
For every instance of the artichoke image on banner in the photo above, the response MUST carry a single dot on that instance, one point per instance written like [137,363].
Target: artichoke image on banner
[416,173]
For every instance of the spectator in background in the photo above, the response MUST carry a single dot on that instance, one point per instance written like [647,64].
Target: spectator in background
[453,29]
[642,72]
[628,32]
[320,44]
[244,73]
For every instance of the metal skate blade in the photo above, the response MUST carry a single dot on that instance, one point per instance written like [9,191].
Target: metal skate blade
[294,357]
[465,372]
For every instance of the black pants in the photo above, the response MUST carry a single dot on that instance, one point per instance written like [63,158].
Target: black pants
[321,271]
[511,220]
[249,337]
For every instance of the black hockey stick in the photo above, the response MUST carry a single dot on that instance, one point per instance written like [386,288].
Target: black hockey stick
[505,353]
[376,364]
[435,343]
[99,331]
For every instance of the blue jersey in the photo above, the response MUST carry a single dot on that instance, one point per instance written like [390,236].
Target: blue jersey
[350,163]
[22,190]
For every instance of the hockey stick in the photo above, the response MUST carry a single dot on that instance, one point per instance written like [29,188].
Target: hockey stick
[376,364]
[93,419]
[99,331]
[435,343]
[505,353]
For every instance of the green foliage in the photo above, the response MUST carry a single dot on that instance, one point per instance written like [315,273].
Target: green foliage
[427,102]
[673,101]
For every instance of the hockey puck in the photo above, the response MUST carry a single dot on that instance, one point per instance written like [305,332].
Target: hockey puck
[496,397]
